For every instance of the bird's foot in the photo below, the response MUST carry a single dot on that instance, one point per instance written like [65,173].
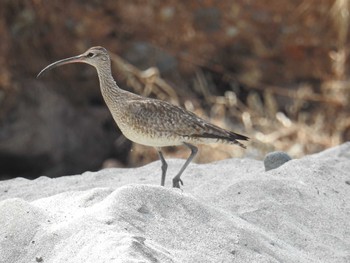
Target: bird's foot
[176,182]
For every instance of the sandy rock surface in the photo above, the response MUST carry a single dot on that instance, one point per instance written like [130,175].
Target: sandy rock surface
[229,211]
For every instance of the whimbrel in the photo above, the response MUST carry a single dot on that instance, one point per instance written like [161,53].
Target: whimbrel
[149,121]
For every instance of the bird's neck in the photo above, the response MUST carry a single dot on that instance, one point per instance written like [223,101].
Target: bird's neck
[109,87]
[114,96]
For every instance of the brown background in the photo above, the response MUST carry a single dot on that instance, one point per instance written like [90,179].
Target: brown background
[274,70]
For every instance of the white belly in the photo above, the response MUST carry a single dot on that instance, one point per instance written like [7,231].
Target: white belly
[155,140]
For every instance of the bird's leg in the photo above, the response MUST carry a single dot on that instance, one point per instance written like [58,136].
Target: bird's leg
[164,166]
[176,179]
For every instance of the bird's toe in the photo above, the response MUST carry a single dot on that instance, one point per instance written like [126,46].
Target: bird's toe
[176,182]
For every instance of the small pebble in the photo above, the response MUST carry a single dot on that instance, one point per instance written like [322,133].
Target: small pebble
[274,160]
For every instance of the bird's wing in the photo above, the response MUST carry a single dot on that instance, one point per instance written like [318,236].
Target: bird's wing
[171,118]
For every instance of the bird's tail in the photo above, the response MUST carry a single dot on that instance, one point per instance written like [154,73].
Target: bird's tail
[218,134]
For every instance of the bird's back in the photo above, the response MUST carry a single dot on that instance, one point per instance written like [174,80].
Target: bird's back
[157,123]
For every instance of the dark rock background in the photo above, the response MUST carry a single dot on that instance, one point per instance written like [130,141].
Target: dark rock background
[59,124]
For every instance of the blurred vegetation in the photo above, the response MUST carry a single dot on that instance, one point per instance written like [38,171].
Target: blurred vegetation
[277,71]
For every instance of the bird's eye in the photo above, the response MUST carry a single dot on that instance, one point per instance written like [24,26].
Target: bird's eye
[90,55]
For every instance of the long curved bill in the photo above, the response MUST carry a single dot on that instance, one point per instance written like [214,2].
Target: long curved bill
[60,63]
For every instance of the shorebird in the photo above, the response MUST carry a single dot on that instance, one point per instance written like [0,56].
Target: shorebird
[149,121]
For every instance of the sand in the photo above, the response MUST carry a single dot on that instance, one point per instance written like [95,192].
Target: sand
[228,211]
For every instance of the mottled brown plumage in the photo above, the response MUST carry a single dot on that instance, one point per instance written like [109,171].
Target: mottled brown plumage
[149,121]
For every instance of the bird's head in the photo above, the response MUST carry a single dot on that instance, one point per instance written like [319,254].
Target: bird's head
[95,56]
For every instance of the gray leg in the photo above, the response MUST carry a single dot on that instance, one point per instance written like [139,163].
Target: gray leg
[176,179]
[164,166]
